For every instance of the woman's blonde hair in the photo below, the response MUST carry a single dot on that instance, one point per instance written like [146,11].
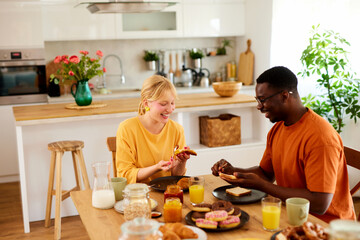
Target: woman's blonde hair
[153,89]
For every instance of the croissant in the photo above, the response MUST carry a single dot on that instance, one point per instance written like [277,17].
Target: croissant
[184,183]
[168,234]
[186,150]
[181,230]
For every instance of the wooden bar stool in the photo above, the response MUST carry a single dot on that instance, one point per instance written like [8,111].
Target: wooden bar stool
[57,151]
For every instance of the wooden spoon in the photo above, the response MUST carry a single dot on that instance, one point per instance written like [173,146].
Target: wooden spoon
[177,71]
[170,61]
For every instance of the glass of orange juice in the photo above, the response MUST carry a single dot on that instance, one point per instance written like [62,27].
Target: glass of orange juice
[271,208]
[196,189]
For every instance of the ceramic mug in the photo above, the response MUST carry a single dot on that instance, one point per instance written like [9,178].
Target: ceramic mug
[297,210]
[118,184]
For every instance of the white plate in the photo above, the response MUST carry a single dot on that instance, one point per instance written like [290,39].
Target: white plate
[119,206]
[201,233]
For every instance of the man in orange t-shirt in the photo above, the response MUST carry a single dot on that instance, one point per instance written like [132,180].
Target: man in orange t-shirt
[304,153]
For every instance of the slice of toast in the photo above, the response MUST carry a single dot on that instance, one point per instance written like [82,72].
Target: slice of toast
[238,191]
[281,236]
[227,176]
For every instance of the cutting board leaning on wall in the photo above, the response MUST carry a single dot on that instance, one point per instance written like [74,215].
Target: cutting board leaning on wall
[246,66]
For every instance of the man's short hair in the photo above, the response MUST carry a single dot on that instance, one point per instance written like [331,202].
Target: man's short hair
[279,77]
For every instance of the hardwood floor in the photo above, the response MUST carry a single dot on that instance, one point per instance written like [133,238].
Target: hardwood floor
[11,225]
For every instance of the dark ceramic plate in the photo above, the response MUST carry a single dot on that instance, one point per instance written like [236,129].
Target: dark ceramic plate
[161,183]
[273,237]
[244,218]
[254,196]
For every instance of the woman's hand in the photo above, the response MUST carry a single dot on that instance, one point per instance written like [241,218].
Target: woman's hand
[222,166]
[164,165]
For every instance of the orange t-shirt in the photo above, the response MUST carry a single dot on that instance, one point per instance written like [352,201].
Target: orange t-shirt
[309,154]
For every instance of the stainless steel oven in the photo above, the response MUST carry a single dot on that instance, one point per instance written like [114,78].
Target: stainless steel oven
[22,76]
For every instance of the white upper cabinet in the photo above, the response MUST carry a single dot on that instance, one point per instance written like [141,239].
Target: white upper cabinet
[20,25]
[213,18]
[164,24]
[67,22]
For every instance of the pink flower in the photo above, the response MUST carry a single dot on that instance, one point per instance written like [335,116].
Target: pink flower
[71,73]
[84,52]
[92,59]
[74,59]
[99,53]
[57,59]
[64,57]
[65,61]
[104,69]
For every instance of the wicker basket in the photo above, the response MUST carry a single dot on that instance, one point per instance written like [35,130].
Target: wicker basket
[219,131]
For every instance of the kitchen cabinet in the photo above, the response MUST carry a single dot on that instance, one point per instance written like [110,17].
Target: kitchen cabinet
[67,22]
[213,18]
[20,25]
[9,169]
[163,24]
[188,18]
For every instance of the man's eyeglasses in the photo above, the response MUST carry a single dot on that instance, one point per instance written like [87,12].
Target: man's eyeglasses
[261,101]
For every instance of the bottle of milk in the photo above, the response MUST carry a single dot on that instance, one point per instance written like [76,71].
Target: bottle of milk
[103,195]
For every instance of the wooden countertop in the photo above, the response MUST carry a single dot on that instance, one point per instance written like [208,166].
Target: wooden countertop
[105,224]
[51,111]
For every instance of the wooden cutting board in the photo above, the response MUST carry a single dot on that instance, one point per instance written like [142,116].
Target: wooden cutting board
[246,66]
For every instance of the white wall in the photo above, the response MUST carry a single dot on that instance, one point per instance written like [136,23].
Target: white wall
[292,22]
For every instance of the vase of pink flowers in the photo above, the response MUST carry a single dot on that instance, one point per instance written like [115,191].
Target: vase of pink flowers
[80,69]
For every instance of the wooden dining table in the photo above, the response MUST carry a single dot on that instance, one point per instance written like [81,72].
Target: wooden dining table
[105,224]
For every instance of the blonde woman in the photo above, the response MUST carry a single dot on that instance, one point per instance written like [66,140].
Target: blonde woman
[145,143]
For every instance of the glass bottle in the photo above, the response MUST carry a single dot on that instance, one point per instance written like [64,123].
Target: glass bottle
[172,210]
[140,229]
[173,191]
[103,195]
[136,201]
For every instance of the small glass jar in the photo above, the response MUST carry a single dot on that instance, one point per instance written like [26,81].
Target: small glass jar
[136,201]
[344,229]
[140,229]
[174,191]
[172,210]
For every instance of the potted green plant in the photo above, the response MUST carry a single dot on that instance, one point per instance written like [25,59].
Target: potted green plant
[151,58]
[196,55]
[325,59]
[222,50]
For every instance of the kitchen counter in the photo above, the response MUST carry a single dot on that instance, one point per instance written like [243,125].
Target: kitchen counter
[125,105]
[132,93]
[39,125]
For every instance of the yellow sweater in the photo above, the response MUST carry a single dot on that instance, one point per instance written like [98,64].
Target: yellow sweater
[138,148]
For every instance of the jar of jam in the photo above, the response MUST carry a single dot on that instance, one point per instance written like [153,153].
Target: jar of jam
[173,191]
[172,210]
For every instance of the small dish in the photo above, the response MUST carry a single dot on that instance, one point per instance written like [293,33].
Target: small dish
[119,206]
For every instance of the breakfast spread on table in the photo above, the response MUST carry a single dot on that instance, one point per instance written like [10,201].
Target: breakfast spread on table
[307,231]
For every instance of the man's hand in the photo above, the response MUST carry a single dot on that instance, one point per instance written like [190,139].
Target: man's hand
[222,166]
[246,180]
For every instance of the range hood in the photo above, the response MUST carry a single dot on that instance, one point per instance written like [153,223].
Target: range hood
[127,6]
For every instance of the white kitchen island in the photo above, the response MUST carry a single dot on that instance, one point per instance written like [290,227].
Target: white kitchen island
[36,126]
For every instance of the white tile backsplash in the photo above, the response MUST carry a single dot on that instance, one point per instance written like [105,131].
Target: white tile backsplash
[131,52]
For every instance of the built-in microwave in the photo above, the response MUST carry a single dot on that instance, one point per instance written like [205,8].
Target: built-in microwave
[22,76]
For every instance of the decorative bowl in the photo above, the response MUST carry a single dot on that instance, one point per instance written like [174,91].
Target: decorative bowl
[226,89]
